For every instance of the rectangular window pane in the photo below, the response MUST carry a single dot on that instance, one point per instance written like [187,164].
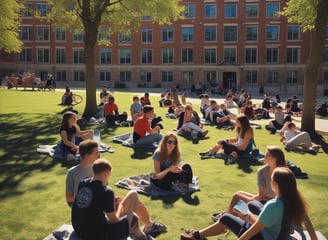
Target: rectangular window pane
[251,10]
[146,56]
[147,35]
[272,10]
[42,9]
[251,77]
[251,55]
[26,33]
[272,33]
[251,33]
[210,10]
[210,56]
[78,56]
[293,55]
[230,55]
[187,34]
[61,76]
[125,76]
[25,56]
[124,38]
[43,55]
[230,33]
[187,55]
[166,77]
[272,77]
[43,33]
[293,33]
[210,33]
[60,55]
[291,77]
[105,76]
[190,10]
[78,76]
[125,56]
[105,56]
[167,34]
[230,10]
[272,55]
[167,55]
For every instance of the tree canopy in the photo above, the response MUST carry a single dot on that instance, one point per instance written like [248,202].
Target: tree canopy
[118,15]
[10,25]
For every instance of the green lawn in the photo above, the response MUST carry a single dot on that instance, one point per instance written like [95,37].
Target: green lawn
[32,185]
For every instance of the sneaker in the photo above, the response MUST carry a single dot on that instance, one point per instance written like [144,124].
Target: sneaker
[204,153]
[155,228]
[216,216]
[208,155]
[312,151]
[71,157]
[205,133]
[231,160]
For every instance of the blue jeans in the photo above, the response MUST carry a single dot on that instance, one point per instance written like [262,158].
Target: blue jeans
[149,139]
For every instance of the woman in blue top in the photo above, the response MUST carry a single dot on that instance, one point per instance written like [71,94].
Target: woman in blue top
[274,222]
[168,166]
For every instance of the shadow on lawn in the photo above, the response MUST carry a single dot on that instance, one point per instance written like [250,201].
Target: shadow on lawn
[320,140]
[19,139]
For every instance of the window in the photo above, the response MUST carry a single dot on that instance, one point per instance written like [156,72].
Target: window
[210,77]
[43,55]
[105,76]
[166,77]
[251,55]
[147,35]
[190,10]
[188,77]
[145,78]
[210,33]
[124,37]
[252,10]
[25,56]
[27,11]
[78,56]
[291,77]
[125,56]
[187,34]
[230,55]
[272,55]
[251,78]
[230,10]
[167,35]
[60,34]
[210,56]
[26,33]
[293,33]
[60,55]
[61,76]
[187,55]
[42,9]
[146,56]
[293,55]
[273,77]
[43,33]
[210,10]
[272,10]
[103,35]
[105,56]
[167,55]
[78,36]
[326,33]
[272,33]
[230,33]
[125,76]
[78,76]
[325,55]
[251,33]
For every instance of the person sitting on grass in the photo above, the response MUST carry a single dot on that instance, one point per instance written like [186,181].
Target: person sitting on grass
[69,130]
[136,109]
[293,138]
[88,150]
[168,166]
[112,114]
[277,218]
[143,132]
[98,214]
[189,122]
[234,147]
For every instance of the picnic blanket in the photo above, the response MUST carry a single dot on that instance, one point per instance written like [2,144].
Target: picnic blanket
[142,184]
[126,140]
[56,152]
[255,154]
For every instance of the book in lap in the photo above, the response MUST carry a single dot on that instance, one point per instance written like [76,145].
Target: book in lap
[241,206]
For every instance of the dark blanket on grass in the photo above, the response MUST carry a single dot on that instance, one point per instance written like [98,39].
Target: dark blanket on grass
[142,184]
[126,140]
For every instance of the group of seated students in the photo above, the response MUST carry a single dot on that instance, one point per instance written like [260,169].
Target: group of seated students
[97,213]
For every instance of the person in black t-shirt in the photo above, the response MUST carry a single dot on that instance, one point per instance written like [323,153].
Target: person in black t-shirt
[98,215]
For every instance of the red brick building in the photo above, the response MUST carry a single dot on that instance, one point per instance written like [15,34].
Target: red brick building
[236,44]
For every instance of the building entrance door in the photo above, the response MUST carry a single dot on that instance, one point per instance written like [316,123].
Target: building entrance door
[229,80]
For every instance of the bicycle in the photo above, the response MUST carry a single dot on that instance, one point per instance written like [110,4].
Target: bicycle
[76,99]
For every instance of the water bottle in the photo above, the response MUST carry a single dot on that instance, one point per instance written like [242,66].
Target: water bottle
[96,135]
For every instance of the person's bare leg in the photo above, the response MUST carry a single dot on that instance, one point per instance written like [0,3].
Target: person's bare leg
[240,195]
[213,230]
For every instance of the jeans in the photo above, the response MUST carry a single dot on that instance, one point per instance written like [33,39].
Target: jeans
[150,139]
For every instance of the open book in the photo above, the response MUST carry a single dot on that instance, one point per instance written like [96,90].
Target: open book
[241,206]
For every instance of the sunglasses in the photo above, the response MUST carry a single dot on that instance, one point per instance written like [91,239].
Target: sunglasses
[171,142]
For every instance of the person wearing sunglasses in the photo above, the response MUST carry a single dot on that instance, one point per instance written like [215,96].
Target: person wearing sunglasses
[168,166]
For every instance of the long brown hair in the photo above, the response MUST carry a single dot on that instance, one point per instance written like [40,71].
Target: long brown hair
[245,126]
[295,205]
[66,117]
[278,155]
[162,149]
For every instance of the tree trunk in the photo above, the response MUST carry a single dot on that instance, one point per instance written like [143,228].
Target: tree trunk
[313,67]
[90,41]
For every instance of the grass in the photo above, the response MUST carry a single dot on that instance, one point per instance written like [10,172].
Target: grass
[32,185]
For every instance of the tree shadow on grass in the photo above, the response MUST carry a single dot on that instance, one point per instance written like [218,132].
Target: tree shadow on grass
[19,138]
[320,140]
